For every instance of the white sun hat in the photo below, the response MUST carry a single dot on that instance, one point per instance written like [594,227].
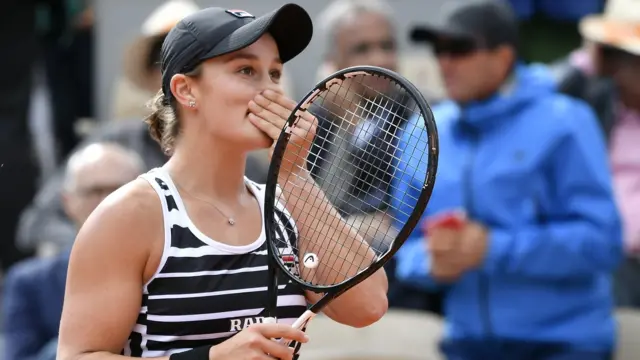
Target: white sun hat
[157,24]
[618,26]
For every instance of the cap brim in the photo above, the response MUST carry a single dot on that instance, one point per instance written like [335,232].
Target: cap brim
[599,29]
[428,34]
[290,26]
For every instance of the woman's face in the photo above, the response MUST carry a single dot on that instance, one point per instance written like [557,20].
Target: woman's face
[227,84]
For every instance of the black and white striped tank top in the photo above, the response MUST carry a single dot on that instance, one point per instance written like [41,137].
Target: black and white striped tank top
[205,291]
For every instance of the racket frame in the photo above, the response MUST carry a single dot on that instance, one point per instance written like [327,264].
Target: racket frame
[333,291]
[272,288]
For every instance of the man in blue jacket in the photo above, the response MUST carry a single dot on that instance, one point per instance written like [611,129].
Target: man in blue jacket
[528,274]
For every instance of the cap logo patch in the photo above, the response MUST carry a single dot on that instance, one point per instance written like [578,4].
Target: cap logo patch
[240,14]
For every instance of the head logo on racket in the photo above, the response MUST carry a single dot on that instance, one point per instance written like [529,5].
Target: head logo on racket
[310,260]
[240,13]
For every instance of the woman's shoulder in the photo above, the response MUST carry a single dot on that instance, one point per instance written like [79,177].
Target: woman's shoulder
[132,211]
[135,197]
[122,237]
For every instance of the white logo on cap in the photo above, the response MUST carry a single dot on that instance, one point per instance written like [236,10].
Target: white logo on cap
[240,14]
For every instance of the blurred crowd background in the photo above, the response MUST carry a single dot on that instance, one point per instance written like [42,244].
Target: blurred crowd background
[78,73]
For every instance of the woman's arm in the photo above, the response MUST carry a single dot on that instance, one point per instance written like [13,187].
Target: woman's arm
[111,259]
[322,230]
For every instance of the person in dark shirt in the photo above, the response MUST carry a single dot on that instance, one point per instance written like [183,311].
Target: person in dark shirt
[19,173]
[34,288]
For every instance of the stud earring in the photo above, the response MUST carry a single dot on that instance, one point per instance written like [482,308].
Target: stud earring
[192,103]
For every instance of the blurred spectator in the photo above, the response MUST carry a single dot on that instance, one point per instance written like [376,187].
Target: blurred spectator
[527,274]
[360,32]
[141,64]
[610,63]
[66,35]
[548,28]
[566,10]
[18,170]
[357,32]
[45,226]
[34,288]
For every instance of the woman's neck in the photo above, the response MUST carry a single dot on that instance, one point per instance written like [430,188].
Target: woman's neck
[212,172]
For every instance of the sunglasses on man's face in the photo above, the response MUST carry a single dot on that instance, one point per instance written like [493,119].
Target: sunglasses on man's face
[455,48]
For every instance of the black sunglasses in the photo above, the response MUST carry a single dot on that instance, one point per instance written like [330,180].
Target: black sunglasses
[455,48]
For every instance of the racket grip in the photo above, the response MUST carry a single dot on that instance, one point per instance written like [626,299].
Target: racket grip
[270,320]
[300,323]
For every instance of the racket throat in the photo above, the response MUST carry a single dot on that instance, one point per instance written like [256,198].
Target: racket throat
[300,324]
[271,309]
[303,320]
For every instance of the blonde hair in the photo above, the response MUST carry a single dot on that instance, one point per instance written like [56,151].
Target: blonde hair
[163,121]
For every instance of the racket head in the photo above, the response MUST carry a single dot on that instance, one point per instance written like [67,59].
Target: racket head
[375,76]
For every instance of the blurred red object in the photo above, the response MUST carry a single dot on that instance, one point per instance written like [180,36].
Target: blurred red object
[454,219]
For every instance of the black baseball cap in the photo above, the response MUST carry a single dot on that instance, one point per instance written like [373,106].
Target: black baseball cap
[215,31]
[487,23]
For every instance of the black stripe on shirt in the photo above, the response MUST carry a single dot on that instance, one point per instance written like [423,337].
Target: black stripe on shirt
[213,262]
[182,344]
[222,303]
[207,283]
[184,238]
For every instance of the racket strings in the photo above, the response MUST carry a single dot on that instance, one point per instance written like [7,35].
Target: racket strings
[357,155]
[372,107]
[371,169]
[389,145]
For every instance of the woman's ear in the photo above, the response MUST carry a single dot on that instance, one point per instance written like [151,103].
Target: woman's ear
[181,87]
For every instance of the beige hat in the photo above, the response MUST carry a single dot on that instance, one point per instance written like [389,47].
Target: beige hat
[619,26]
[157,24]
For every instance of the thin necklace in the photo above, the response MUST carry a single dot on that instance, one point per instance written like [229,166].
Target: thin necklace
[230,219]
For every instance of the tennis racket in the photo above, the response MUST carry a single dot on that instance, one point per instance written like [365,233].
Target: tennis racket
[343,234]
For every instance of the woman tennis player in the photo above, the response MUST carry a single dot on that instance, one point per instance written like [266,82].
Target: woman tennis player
[173,265]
